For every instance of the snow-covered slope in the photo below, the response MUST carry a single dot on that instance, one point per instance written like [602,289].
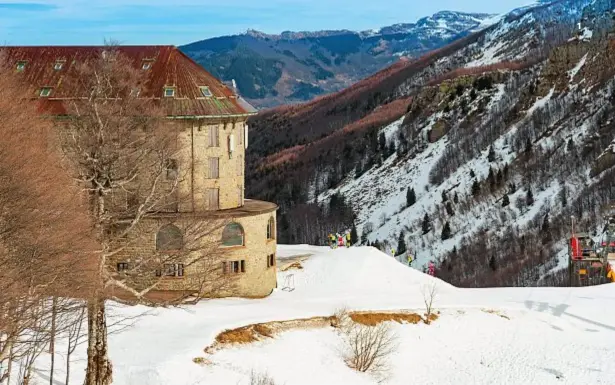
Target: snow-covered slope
[553,336]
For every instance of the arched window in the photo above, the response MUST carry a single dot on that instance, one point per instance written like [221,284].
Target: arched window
[233,235]
[169,238]
[271,228]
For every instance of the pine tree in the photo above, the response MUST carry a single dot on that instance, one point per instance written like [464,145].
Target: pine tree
[410,197]
[545,223]
[491,178]
[454,252]
[499,178]
[505,200]
[401,244]
[505,171]
[475,188]
[493,263]
[426,226]
[456,198]
[472,174]
[449,209]
[444,196]
[446,232]
[528,145]
[491,154]
[364,240]
[354,237]
[383,142]
[563,195]
[529,198]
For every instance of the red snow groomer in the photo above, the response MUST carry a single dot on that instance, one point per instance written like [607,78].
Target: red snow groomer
[582,246]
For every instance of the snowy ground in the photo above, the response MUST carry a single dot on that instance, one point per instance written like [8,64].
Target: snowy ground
[551,335]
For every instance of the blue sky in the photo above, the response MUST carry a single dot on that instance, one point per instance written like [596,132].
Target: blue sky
[70,22]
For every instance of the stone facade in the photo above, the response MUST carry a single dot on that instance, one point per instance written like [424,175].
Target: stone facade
[202,222]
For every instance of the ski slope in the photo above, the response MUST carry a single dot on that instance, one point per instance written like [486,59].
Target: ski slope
[550,335]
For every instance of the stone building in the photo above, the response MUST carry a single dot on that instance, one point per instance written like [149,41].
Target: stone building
[210,119]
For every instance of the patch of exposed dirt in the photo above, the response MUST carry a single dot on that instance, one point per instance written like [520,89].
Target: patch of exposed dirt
[496,312]
[373,319]
[293,266]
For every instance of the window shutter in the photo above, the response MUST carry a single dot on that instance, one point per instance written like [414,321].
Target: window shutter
[180,269]
[224,268]
[213,198]
[231,143]
[210,134]
[214,168]
[243,266]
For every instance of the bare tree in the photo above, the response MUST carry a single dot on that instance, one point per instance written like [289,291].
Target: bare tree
[260,379]
[430,292]
[44,228]
[128,158]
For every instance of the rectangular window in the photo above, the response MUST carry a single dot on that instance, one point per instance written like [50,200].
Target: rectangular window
[122,266]
[169,92]
[58,66]
[213,136]
[205,91]
[271,260]
[147,65]
[45,91]
[213,198]
[171,169]
[173,270]
[234,267]
[240,165]
[214,168]
[21,65]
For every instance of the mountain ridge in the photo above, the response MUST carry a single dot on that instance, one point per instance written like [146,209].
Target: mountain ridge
[294,67]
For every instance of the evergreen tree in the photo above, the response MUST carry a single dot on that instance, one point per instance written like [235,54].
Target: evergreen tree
[570,146]
[563,195]
[354,237]
[446,232]
[444,197]
[410,197]
[426,225]
[449,209]
[454,252]
[401,245]
[491,154]
[505,200]
[493,263]
[473,94]
[505,171]
[472,174]
[475,188]
[528,145]
[529,198]
[364,240]
[499,178]
[383,142]
[456,198]
[491,179]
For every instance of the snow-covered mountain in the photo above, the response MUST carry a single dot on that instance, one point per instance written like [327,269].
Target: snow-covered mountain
[272,69]
[501,136]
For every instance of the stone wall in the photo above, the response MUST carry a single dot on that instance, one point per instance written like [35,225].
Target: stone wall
[203,255]
[194,163]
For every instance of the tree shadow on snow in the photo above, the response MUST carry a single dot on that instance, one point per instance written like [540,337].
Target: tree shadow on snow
[560,310]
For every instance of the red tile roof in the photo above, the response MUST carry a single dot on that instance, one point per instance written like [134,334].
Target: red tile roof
[170,67]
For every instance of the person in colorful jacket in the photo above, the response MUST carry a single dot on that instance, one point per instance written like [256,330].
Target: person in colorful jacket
[432,268]
[347,238]
[610,273]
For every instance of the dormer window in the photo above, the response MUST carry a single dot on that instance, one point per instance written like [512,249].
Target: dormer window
[135,92]
[58,66]
[169,92]
[205,91]
[45,92]
[147,64]
[21,65]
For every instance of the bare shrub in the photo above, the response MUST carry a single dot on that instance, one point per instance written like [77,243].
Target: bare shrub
[430,292]
[261,379]
[365,348]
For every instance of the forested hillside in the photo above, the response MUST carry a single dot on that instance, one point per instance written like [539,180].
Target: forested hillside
[476,155]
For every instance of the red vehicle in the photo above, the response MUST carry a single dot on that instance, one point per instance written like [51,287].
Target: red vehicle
[582,246]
